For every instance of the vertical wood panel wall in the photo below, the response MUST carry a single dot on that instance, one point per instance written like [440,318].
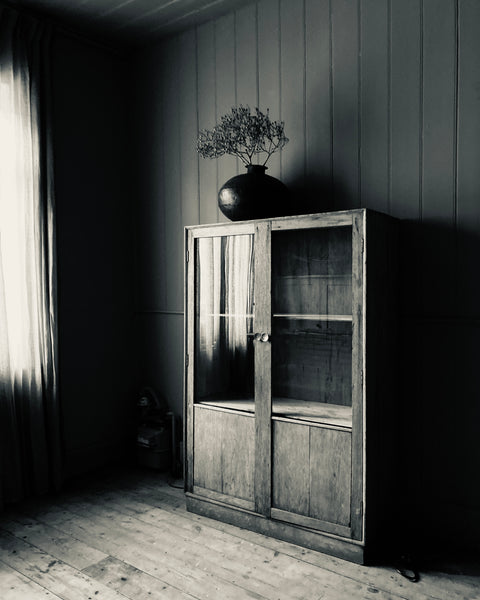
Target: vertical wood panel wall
[381,103]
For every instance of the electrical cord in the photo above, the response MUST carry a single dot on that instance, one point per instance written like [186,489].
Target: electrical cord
[407,569]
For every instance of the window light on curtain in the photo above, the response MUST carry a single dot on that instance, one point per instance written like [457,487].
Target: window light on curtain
[30,449]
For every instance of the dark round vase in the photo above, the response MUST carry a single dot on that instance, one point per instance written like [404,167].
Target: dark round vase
[254,195]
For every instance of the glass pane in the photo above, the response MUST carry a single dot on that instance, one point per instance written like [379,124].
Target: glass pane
[224,360]
[312,272]
[312,324]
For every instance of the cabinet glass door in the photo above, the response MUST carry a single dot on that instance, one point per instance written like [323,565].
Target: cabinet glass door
[312,377]
[312,324]
[224,322]
[224,407]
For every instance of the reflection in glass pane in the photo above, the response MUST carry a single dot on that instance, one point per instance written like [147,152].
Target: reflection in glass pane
[224,320]
[312,272]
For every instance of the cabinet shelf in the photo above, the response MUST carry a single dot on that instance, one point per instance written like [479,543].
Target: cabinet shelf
[293,316]
[315,412]
[305,317]
[339,276]
[231,315]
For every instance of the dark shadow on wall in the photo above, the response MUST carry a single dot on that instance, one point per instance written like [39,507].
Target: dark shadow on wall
[439,379]
[314,193]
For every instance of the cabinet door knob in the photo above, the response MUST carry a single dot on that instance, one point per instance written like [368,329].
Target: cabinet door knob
[260,337]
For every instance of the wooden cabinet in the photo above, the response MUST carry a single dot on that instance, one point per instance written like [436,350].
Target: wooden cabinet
[290,377]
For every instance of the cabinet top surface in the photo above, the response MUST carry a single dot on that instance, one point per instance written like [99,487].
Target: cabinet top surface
[333,216]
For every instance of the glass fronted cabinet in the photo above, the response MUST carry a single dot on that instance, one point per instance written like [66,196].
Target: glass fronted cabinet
[289,361]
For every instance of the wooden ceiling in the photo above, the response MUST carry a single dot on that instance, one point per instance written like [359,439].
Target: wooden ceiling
[128,22]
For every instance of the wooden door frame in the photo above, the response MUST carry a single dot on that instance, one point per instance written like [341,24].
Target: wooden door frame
[263,363]
[356,219]
[358,375]
[192,233]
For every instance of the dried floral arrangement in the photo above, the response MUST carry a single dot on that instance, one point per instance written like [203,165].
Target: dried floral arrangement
[243,134]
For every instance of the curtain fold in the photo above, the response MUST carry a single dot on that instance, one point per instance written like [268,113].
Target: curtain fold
[30,439]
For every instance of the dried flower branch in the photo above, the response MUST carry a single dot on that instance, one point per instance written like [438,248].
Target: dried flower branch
[243,134]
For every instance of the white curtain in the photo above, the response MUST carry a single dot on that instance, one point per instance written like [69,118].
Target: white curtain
[30,449]
[225,315]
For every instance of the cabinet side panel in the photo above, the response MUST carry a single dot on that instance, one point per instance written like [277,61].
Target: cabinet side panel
[330,475]
[290,472]
[381,380]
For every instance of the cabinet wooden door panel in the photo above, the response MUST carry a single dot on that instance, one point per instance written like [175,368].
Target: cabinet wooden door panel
[311,474]
[290,468]
[224,453]
[330,475]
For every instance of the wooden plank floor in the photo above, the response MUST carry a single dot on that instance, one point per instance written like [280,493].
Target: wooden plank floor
[126,534]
